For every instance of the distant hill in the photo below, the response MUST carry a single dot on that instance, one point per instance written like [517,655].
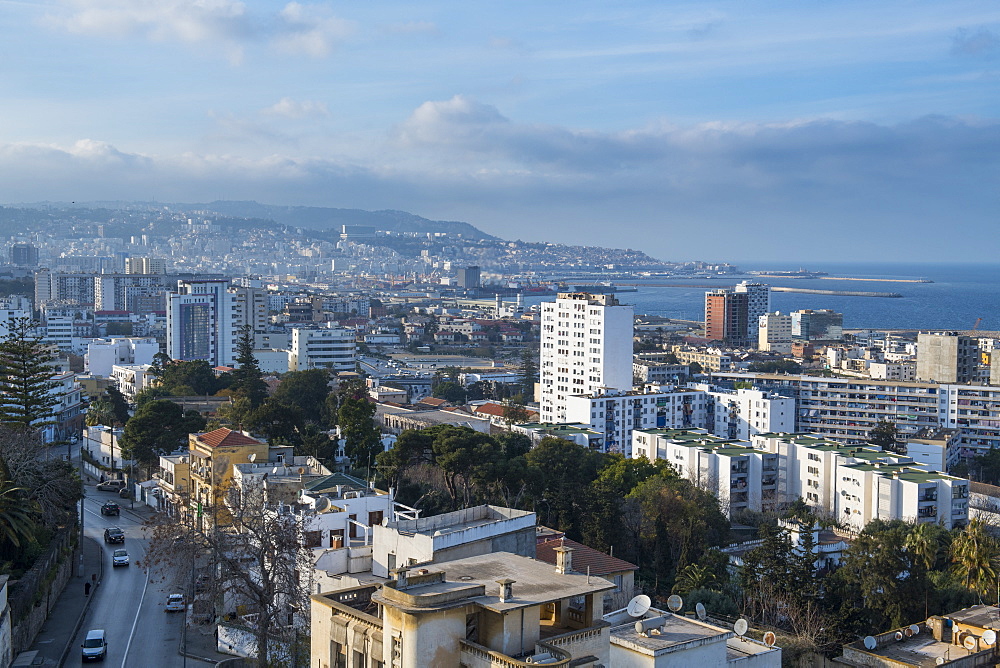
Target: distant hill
[327,218]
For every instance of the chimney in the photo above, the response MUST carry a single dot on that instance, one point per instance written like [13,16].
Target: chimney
[564,559]
[506,589]
[401,580]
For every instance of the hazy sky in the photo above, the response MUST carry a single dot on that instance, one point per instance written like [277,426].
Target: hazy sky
[713,130]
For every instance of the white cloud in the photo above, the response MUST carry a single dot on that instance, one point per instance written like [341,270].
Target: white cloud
[296,29]
[289,108]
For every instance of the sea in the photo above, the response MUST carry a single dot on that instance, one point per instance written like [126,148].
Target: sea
[956,298]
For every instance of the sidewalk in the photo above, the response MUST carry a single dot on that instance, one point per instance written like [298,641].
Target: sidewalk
[201,644]
[56,637]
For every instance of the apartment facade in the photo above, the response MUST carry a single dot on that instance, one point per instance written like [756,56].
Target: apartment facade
[726,319]
[586,345]
[324,348]
[947,357]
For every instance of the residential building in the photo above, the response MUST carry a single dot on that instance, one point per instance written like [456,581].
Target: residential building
[709,359]
[934,449]
[200,323]
[615,414]
[103,354]
[132,379]
[469,278]
[758,304]
[817,325]
[396,419]
[774,333]
[726,318]
[213,457]
[174,484]
[578,433]
[946,357]
[24,255]
[738,414]
[586,345]
[500,609]
[110,290]
[741,477]
[322,348]
[649,372]
[660,639]
[145,265]
[102,446]
[584,559]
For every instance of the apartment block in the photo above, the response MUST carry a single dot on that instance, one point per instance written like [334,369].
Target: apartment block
[726,317]
[741,413]
[322,348]
[817,325]
[616,414]
[741,477]
[586,345]
[946,357]
[774,333]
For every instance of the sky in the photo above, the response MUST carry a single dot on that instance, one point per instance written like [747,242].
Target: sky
[721,131]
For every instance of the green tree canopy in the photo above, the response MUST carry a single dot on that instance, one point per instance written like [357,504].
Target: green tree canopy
[356,418]
[158,428]
[306,389]
[247,380]
[451,392]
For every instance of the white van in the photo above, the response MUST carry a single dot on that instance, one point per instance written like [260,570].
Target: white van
[95,646]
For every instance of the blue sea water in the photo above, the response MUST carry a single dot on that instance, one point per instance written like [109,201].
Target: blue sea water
[958,296]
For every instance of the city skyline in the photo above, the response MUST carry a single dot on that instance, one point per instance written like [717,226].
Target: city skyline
[732,132]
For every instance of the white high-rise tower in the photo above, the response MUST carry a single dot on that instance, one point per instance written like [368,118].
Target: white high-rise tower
[586,345]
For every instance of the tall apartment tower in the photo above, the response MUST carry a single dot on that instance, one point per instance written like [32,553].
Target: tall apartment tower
[200,322]
[726,317]
[586,345]
[946,357]
[758,303]
[24,255]
[774,333]
[145,265]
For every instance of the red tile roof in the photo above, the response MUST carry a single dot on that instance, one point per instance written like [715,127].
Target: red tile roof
[583,556]
[223,437]
[432,401]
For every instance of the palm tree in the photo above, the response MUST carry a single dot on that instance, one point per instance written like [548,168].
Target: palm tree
[975,554]
[923,545]
[693,576]
[16,521]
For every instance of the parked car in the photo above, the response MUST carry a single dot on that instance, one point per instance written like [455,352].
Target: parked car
[114,535]
[110,508]
[95,646]
[110,485]
[125,493]
[119,558]
[175,603]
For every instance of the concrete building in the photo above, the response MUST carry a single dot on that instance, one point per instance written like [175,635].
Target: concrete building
[24,255]
[615,414]
[739,414]
[145,265]
[758,304]
[498,609]
[741,477]
[469,278]
[649,372]
[709,359]
[774,333]
[726,319]
[213,457]
[578,433]
[131,379]
[110,290]
[584,559]
[322,348]
[200,323]
[817,325]
[174,484]
[103,354]
[586,345]
[669,640]
[946,357]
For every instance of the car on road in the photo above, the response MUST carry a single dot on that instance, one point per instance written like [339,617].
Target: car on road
[114,535]
[110,485]
[119,558]
[110,508]
[95,645]
[175,603]
[125,493]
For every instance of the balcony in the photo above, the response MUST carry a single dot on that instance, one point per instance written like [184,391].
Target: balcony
[477,656]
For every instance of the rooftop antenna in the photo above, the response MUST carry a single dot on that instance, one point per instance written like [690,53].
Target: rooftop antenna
[741,627]
[675,603]
[639,605]
[700,611]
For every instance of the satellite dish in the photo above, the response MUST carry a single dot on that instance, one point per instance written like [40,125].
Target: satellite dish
[252,457]
[940,660]
[899,635]
[323,504]
[740,627]
[700,610]
[302,470]
[989,637]
[770,639]
[870,642]
[675,602]
[639,605]
[969,643]
[915,628]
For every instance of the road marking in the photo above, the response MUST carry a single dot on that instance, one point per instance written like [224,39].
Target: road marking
[136,621]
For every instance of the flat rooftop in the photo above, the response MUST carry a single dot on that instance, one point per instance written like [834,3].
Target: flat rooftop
[459,520]
[676,632]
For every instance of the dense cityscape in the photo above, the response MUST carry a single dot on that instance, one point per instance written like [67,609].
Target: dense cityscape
[349,446]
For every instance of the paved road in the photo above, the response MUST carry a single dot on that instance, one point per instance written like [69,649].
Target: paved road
[129,604]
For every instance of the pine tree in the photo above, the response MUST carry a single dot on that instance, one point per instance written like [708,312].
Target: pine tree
[248,379]
[529,372]
[26,377]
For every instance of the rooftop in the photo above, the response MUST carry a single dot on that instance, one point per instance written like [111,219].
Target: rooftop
[224,438]
[585,559]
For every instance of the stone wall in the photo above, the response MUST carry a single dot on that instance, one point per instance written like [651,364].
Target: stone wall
[34,595]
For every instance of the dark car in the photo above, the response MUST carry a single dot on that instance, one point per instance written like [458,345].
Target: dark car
[114,535]
[125,493]
[110,508]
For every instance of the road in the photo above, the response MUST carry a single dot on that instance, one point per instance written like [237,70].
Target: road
[129,604]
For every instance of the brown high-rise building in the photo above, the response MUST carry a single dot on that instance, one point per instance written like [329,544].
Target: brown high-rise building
[726,314]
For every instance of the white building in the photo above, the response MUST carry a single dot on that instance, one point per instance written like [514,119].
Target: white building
[741,477]
[758,304]
[615,414]
[774,333]
[200,323]
[102,354]
[586,346]
[741,413]
[326,348]
[132,379]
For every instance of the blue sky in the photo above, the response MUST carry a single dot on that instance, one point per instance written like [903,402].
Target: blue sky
[712,130]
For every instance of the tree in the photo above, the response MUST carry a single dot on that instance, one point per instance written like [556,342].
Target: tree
[26,377]
[50,486]
[277,420]
[694,368]
[776,366]
[514,412]
[975,555]
[450,392]
[567,468]
[183,378]
[261,562]
[158,428]
[885,435]
[306,389]
[529,371]
[16,516]
[247,380]
[119,405]
[357,427]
